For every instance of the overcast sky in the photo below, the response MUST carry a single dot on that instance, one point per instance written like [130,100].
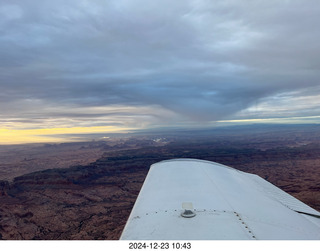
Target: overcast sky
[142,63]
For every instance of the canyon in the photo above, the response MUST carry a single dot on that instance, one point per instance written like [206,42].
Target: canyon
[86,190]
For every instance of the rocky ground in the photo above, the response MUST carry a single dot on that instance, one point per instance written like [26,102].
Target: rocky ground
[93,201]
[81,203]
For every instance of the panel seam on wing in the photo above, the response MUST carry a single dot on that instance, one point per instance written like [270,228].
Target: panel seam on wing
[245,227]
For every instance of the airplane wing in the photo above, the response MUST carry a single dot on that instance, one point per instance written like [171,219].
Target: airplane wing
[189,199]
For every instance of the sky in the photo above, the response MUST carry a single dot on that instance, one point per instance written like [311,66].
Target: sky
[99,66]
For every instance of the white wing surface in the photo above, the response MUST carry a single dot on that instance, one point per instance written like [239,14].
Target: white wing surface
[188,199]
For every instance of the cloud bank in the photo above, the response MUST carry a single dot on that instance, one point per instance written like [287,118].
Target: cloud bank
[156,63]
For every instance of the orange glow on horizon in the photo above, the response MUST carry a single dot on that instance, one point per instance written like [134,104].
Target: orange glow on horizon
[50,135]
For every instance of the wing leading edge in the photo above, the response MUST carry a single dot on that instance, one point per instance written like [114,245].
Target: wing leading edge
[189,199]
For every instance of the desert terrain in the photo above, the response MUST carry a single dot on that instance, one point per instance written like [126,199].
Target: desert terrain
[86,190]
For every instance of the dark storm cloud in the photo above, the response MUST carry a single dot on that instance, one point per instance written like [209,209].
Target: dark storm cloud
[203,60]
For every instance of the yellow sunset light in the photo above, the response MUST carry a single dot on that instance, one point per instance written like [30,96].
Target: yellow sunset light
[14,136]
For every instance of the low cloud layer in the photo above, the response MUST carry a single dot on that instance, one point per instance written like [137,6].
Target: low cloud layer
[147,63]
